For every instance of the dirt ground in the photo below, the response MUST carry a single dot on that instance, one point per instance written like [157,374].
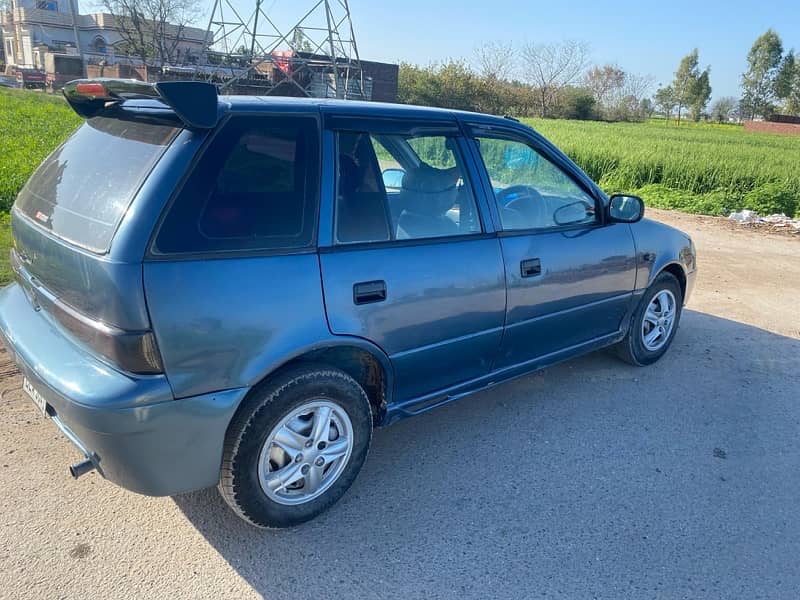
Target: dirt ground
[592,479]
[750,276]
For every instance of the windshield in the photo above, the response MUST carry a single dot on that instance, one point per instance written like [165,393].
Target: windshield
[81,191]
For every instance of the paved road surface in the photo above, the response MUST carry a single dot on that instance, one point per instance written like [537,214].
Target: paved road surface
[591,479]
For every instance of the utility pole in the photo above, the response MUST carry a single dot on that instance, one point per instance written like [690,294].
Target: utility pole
[19,57]
[328,33]
[73,5]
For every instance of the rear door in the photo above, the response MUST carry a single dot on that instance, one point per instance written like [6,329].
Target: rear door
[413,270]
[569,276]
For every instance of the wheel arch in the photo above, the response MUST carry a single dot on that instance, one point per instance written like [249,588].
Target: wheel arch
[362,360]
[677,270]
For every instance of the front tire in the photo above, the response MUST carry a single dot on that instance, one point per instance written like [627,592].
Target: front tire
[295,446]
[654,323]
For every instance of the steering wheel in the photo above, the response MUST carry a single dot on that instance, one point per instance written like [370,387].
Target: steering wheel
[526,201]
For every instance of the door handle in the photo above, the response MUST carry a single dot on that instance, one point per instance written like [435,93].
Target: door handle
[367,292]
[530,267]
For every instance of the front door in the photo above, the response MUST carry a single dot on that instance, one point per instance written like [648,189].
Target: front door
[412,270]
[569,276]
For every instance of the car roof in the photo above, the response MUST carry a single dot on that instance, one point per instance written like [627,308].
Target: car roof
[352,107]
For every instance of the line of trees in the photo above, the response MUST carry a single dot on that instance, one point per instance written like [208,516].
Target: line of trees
[557,81]
[544,80]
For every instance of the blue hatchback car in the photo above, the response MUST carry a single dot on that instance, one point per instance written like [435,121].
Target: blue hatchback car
[236,290]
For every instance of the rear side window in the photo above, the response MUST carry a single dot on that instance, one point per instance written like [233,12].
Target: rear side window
[82,190]
[254,188]
[401,187]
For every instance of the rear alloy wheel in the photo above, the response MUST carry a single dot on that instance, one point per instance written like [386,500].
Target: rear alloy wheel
[305,453]
[654,323]
[295,446]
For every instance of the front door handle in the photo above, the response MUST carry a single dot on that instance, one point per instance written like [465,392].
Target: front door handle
[367,292]
[530,267]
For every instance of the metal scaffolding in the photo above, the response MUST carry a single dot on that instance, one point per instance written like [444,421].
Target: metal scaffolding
[315,55]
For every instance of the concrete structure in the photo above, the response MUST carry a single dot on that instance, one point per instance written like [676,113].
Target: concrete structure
[33,27]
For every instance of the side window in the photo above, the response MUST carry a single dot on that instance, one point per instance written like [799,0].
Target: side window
[395,187]
[532,192]
[254,188]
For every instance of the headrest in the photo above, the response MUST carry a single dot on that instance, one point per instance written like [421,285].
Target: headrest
[429,191]
[430,180]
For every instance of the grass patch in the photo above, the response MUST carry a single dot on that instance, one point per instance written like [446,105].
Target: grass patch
[709,169]
[6,275]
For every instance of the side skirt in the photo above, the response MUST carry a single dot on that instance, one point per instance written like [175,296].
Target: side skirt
[415,406]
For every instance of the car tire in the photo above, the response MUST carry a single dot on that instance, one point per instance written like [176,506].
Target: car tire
[274,458]
[640,347]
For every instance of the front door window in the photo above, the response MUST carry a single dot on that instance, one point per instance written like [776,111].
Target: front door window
[531,191]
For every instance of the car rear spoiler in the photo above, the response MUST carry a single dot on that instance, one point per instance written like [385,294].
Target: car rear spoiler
[194,102]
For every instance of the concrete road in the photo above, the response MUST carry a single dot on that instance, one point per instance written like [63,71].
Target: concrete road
[591,479]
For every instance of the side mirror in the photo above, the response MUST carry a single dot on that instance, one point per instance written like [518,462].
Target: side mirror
[623,208]
[572,213]
[393,178]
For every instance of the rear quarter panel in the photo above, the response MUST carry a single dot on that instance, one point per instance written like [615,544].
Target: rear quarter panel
[225,323]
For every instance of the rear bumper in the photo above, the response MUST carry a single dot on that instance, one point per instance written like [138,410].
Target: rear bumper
[130,426]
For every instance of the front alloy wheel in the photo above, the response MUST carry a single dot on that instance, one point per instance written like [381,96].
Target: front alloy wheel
[659,318]
[654,322]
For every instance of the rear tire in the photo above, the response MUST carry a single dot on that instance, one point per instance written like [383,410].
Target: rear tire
[295,447]
[654,323]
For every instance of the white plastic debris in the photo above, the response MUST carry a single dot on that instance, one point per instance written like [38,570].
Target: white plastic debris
[778,221]
[745,216]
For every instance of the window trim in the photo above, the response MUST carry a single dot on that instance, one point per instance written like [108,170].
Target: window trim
[476,131]
[415,129]
[152,256]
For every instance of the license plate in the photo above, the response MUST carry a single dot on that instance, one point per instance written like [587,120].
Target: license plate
[37,398]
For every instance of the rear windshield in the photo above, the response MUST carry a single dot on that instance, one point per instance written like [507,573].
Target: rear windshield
[83,189]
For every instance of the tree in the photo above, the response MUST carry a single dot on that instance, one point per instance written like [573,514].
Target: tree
[576,103]
[604,83]
[300,41]
[646,108]
[549,68]
[495,60]
[152,30]
[685,80]
[665,100]
[700,94]
[723,109]
[758,82]
[787,83]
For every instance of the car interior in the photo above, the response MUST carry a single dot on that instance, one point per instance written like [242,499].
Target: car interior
[431,201]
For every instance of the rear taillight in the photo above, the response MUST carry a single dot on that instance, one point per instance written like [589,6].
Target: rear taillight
[132,351]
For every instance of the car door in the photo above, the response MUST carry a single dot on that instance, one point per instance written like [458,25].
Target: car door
[569,276]
[423,279]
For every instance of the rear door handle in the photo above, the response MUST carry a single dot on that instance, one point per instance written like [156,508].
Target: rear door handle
[367,292]
[530,267]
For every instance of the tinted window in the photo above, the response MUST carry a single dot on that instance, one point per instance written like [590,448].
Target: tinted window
[254,188]
[83,189]
[531,191]
[394,187]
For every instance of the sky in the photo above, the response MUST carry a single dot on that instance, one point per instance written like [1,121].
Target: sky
[641,37]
